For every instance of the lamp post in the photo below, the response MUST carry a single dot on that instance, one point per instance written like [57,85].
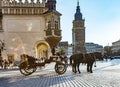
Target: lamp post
[2,45]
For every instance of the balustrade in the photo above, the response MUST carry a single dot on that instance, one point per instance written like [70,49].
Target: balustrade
[26,7]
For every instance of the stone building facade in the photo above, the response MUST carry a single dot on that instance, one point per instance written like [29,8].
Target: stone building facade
[29,27]
[115,46]
[78,32]
[92,47]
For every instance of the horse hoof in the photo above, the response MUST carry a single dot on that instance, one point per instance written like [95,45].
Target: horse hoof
[91,71]
[75,72]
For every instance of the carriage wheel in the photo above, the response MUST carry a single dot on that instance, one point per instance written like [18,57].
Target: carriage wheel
[27,70]
[23,71]
[30,69]
[60,68]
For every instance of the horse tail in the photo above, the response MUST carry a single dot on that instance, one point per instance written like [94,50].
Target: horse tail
[95,64]
[95,60]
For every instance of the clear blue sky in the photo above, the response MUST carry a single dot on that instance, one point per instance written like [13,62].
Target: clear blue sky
[102,19]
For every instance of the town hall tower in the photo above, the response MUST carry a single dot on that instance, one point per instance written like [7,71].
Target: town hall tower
[78,32]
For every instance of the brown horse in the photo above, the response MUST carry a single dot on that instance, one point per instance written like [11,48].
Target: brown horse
[88,59]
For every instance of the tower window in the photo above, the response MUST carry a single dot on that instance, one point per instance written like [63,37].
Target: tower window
[56,25]
[49,24]
[54,7]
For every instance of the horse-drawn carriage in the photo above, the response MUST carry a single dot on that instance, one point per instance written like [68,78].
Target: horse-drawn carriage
[30,64]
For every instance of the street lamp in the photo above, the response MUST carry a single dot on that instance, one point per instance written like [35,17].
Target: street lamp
[2,45]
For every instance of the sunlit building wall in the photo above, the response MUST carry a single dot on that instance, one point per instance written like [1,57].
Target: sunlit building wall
[26,27]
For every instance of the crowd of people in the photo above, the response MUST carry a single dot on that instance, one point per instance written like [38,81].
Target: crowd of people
[4,64]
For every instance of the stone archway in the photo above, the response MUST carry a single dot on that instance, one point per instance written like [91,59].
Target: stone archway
[42,50]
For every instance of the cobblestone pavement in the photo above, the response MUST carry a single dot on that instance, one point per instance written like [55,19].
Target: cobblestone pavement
[107,76]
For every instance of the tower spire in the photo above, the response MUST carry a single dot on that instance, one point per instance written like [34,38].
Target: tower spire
[78,14]
[77,2]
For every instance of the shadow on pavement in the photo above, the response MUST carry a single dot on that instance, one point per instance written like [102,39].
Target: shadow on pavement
[42,80]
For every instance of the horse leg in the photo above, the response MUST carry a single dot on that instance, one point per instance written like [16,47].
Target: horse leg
[88,66]
[91,65]
[73,67]
[78,67]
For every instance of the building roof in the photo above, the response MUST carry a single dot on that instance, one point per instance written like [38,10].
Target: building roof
[93,44]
